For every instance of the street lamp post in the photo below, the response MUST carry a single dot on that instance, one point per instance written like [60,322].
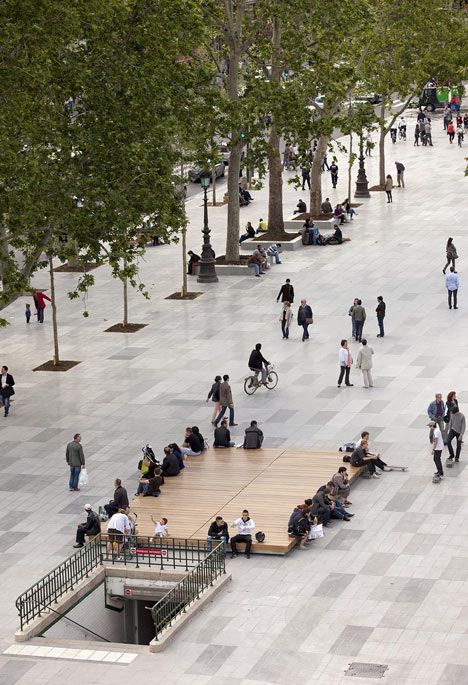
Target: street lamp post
[207,271]
[362,185]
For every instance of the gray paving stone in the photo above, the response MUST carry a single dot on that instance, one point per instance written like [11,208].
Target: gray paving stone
[351,640]
[210,660]
[334,584]
[344,539]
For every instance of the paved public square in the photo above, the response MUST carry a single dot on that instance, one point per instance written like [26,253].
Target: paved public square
[389,588]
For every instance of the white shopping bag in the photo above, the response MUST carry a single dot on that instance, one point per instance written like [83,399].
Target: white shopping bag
[83,479]
[316,532]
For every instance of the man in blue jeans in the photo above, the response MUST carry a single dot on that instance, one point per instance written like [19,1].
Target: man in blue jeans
[75,460]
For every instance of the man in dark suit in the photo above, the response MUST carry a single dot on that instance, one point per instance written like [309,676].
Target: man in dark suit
[286,292]
[6,389]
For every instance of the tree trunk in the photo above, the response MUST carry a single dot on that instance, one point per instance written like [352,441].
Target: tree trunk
[350,164]
[275,182]
[382,134]
[275,186]
[56,357]
[235,12]
[184,262]
[125,296]
[316,176]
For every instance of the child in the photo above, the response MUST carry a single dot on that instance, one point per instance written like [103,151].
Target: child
[27,312]
[160,530]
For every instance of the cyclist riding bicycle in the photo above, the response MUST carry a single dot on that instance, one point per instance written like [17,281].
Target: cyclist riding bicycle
[402,127]
[258,363]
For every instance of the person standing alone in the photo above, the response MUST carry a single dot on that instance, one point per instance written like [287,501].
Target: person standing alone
[437,442]
[388,188]
[346,362]
[364,362]
[286,292]
[380,311]
[75,460]
[334,173]
[451,252]
[6,389]
[452,283]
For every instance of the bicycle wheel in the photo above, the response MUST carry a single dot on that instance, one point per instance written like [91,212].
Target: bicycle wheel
[272,380]
[250,386]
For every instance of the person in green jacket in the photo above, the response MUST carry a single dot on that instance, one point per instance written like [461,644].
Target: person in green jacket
[75,460]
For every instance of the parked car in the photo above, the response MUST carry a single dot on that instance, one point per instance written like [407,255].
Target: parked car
[196,172]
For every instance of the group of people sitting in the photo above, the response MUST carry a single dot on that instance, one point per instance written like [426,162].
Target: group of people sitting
[259,259]
[250,231]
[331,500]
[311,235]
[245,198]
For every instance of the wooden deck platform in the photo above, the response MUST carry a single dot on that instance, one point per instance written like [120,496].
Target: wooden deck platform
[267,482]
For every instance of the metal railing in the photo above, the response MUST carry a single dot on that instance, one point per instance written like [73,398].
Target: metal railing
[188,590]
[160,553]
[63,578]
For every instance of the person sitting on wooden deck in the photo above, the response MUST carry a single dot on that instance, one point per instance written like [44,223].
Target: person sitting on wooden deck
[218,530]
[253,437]
[245,528]
[222,436]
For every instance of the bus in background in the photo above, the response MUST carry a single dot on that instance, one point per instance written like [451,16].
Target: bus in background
[433,98]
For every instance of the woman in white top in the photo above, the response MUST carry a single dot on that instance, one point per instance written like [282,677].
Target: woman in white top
[346,361]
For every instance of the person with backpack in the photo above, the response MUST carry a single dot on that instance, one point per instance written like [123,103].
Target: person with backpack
[213,395]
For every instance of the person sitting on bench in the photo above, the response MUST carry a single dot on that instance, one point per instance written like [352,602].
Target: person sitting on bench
[379,464]
[338,511]
[245,528]
[322,507]
[274,251]
[339,214]
[341,483]
[361,457]
[249,233]
[222,436]
[91,527]
[326,207]
[301,207]
[253,437]
[194,259]
[337,237]
[218,530]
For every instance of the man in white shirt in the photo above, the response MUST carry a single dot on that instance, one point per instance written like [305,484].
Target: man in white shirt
[437,441]
[245,527]
[452,283]
[119,525]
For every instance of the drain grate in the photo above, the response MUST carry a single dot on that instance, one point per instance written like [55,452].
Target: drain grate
[361,670]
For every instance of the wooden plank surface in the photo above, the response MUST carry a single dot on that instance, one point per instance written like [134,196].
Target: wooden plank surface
[268,482]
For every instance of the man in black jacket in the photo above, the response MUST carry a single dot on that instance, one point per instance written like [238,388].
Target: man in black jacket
[258,363]
[222,436]
[286,292]
[380,311]
[170,465]
[6,389]
[218,530]
[120,500]
[91,527]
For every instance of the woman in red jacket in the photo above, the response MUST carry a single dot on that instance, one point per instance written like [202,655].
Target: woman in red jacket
[39,302]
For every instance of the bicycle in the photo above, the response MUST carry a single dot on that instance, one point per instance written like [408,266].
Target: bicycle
[251,383]
[402,133]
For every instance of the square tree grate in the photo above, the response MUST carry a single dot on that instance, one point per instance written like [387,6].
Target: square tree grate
[360,670]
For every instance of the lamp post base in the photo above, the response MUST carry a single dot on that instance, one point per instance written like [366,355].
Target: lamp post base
[207,271]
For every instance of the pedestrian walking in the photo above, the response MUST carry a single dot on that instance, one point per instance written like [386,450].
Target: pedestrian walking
[27,312]
[456,427]
[451,252]
[437,443]
[334,173]
[346,361]
[353,321]
[6,389]
[364,362]
[447,118]
[460,135]
[358,313]
[305,318]
[451,131]
[452,284]
[400,167]
[213,395]
[325,163]
[450,405]
[436,413]
[305,176]
[226,401]
[75,460]
[416,135]
[285,318]
[286,292]
[369,146]
[39,302]
[388,188]
[380,311]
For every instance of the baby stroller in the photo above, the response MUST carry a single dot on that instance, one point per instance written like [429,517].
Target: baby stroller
[128,547]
